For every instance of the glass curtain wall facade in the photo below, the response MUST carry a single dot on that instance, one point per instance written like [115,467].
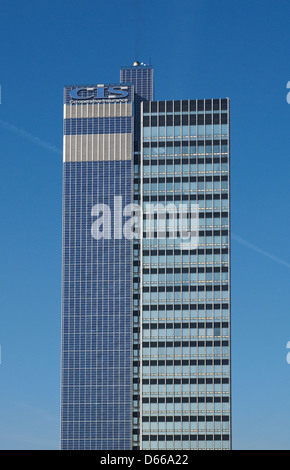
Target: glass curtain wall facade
[145,321]
[185,303]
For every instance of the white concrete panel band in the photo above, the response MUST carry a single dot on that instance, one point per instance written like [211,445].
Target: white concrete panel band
[97,147]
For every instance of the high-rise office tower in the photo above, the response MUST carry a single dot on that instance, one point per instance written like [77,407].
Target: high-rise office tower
[146,269]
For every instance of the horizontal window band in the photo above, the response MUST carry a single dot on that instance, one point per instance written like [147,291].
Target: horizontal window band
[189,437]
[183,399]
[187,306]
[175,270]
[183,344]
[183,179]
[165,325]
[155,160]
[185,197]
[200,251]
[183,380]
[185,419]
[201,215]
[189,142]
[185,288]
[186,362]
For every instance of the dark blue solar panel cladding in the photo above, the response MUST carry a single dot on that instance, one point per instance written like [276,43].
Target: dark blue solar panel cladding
[97,312]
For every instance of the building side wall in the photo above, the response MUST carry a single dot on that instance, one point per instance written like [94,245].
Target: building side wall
[96,398]
[185,300]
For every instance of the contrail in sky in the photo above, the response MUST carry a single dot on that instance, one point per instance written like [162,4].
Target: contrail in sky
[258,250]
[30,137]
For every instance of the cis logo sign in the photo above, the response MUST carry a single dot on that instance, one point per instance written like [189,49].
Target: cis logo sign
[99,92]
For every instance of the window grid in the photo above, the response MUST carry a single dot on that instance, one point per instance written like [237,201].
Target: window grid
[185,296]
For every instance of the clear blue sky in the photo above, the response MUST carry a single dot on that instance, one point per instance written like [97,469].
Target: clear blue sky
[199,49]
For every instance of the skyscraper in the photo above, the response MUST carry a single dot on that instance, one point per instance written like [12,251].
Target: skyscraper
[146,269]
